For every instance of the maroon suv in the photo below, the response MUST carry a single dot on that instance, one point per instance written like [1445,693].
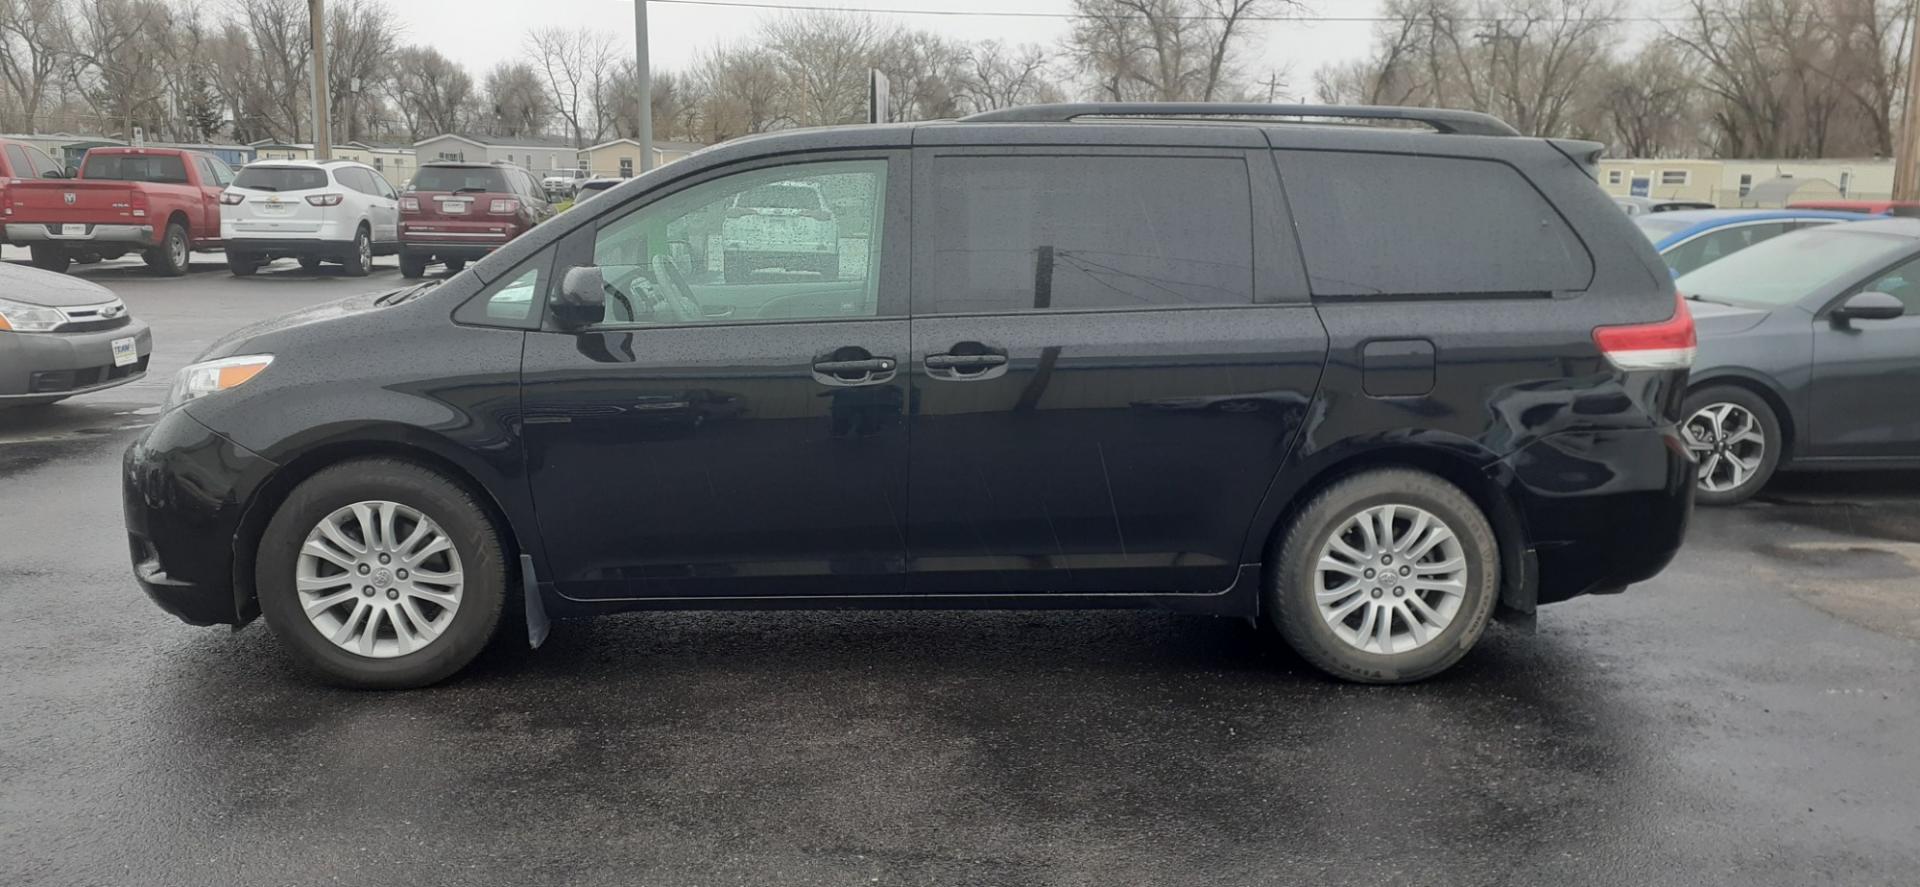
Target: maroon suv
[455,211]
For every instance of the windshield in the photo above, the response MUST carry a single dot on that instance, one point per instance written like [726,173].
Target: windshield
[166,169]
[1788,268]
[460,178]
[780,197]
[1658,229]
[280,178]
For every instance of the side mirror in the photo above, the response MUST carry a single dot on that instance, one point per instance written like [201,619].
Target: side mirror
[582,299]
[1868,306]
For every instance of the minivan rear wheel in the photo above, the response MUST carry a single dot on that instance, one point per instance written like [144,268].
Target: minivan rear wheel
[382,574]
[1735,440]
[1386,577]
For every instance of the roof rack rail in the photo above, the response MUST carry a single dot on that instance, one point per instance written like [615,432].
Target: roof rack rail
[1441,119]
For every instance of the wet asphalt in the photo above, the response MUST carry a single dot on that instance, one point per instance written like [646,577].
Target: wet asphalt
[1750,717]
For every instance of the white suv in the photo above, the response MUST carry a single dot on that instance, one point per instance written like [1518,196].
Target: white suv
[784,225]
[314,211]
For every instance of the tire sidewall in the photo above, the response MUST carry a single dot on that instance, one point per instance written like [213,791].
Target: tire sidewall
[1291,594]
[359,258]
[166,265]
[472,535]
[412,265]
[1769,426]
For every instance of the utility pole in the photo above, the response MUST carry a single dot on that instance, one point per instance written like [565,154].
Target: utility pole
[322,112]
[1906,178]
[643,73]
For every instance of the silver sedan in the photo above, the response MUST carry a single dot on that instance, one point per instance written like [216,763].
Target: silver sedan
[61,336]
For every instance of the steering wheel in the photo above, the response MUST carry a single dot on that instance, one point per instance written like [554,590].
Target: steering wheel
[619,294]
[684,303]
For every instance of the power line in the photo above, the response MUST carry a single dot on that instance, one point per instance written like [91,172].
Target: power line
[1304,18]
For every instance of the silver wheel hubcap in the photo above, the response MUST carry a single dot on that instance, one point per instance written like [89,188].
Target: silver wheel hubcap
[379,579]
[1390,579]
[177,250]
[366,253]
[1727,441]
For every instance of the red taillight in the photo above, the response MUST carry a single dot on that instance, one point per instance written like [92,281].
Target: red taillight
[409,204]
[137,203]
[325,199]
[504,206]
[1667,345]
[228,198]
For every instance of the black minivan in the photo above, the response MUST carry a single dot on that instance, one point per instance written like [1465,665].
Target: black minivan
[1368,375]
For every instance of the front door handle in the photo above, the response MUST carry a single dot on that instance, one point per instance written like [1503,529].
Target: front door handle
[854,371]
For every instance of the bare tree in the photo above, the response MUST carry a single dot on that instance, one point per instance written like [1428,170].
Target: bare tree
[361,42]
[517,100]
[824,58]
[994,75]
[1648,102]
[275,35]
[33,41]
[430,91]
[744,92]
[574,67]
[118,51]
[1164,50]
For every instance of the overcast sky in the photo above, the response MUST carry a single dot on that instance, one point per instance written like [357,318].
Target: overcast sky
[480,39]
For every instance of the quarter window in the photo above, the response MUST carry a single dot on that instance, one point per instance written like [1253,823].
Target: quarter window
[716,253]
[1716,245]
[1037,233]
[1402,225]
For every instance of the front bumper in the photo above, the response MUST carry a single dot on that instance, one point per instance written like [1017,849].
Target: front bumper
[42,367]
[139,235]
[185,489]
[1602,509]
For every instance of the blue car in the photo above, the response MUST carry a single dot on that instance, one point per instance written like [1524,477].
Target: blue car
[1690,239]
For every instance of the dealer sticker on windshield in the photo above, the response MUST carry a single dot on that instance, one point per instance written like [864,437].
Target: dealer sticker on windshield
[124,352]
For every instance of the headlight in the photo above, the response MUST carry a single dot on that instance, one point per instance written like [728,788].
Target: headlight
[214,376]
[24,318]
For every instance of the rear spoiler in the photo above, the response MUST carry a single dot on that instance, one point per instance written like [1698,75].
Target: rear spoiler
[1585,155]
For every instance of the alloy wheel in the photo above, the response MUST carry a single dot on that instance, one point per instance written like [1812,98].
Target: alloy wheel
[1728,442]
[366,252]
[177,251]
[379,579]
[1390,579]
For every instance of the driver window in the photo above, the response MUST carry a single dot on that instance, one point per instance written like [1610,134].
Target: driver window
[787,243]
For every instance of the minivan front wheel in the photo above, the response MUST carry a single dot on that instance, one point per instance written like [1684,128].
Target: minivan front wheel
[381,574]
[1735,441]
[1386,577]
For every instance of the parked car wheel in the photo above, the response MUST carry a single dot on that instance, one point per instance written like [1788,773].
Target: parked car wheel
[380,573]
[455,266]
[172,256]
[242,264]
[49,257]
[359,262]
[310,263]
[413,266]
[1735,437]
[1386,577]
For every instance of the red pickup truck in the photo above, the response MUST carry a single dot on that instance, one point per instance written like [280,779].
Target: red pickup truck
[161,203]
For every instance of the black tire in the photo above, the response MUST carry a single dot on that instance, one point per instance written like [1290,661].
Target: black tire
[1765,457]
[310,263]
[359,262]
[173,256]
[413,266]
[50,257]
[1290,592]
[455,266]
[459,514]
[242,264]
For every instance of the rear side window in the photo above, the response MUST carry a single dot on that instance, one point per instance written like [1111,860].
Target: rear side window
[164,169]
[457,178]
[1716,245]
[280,178]
[1395,225]
[1035,233]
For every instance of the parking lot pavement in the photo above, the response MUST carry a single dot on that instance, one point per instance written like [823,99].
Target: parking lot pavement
[1749,717]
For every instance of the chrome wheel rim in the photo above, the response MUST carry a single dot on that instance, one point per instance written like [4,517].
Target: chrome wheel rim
[1390,579]
[379,579]
[366,252]
[1727,441]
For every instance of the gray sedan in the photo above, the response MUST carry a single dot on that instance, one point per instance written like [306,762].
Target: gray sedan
[61,336]
[1809,356]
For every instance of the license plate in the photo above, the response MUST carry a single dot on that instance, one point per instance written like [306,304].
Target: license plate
[453,206]
[73,230]
[125,353]
[273,209]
